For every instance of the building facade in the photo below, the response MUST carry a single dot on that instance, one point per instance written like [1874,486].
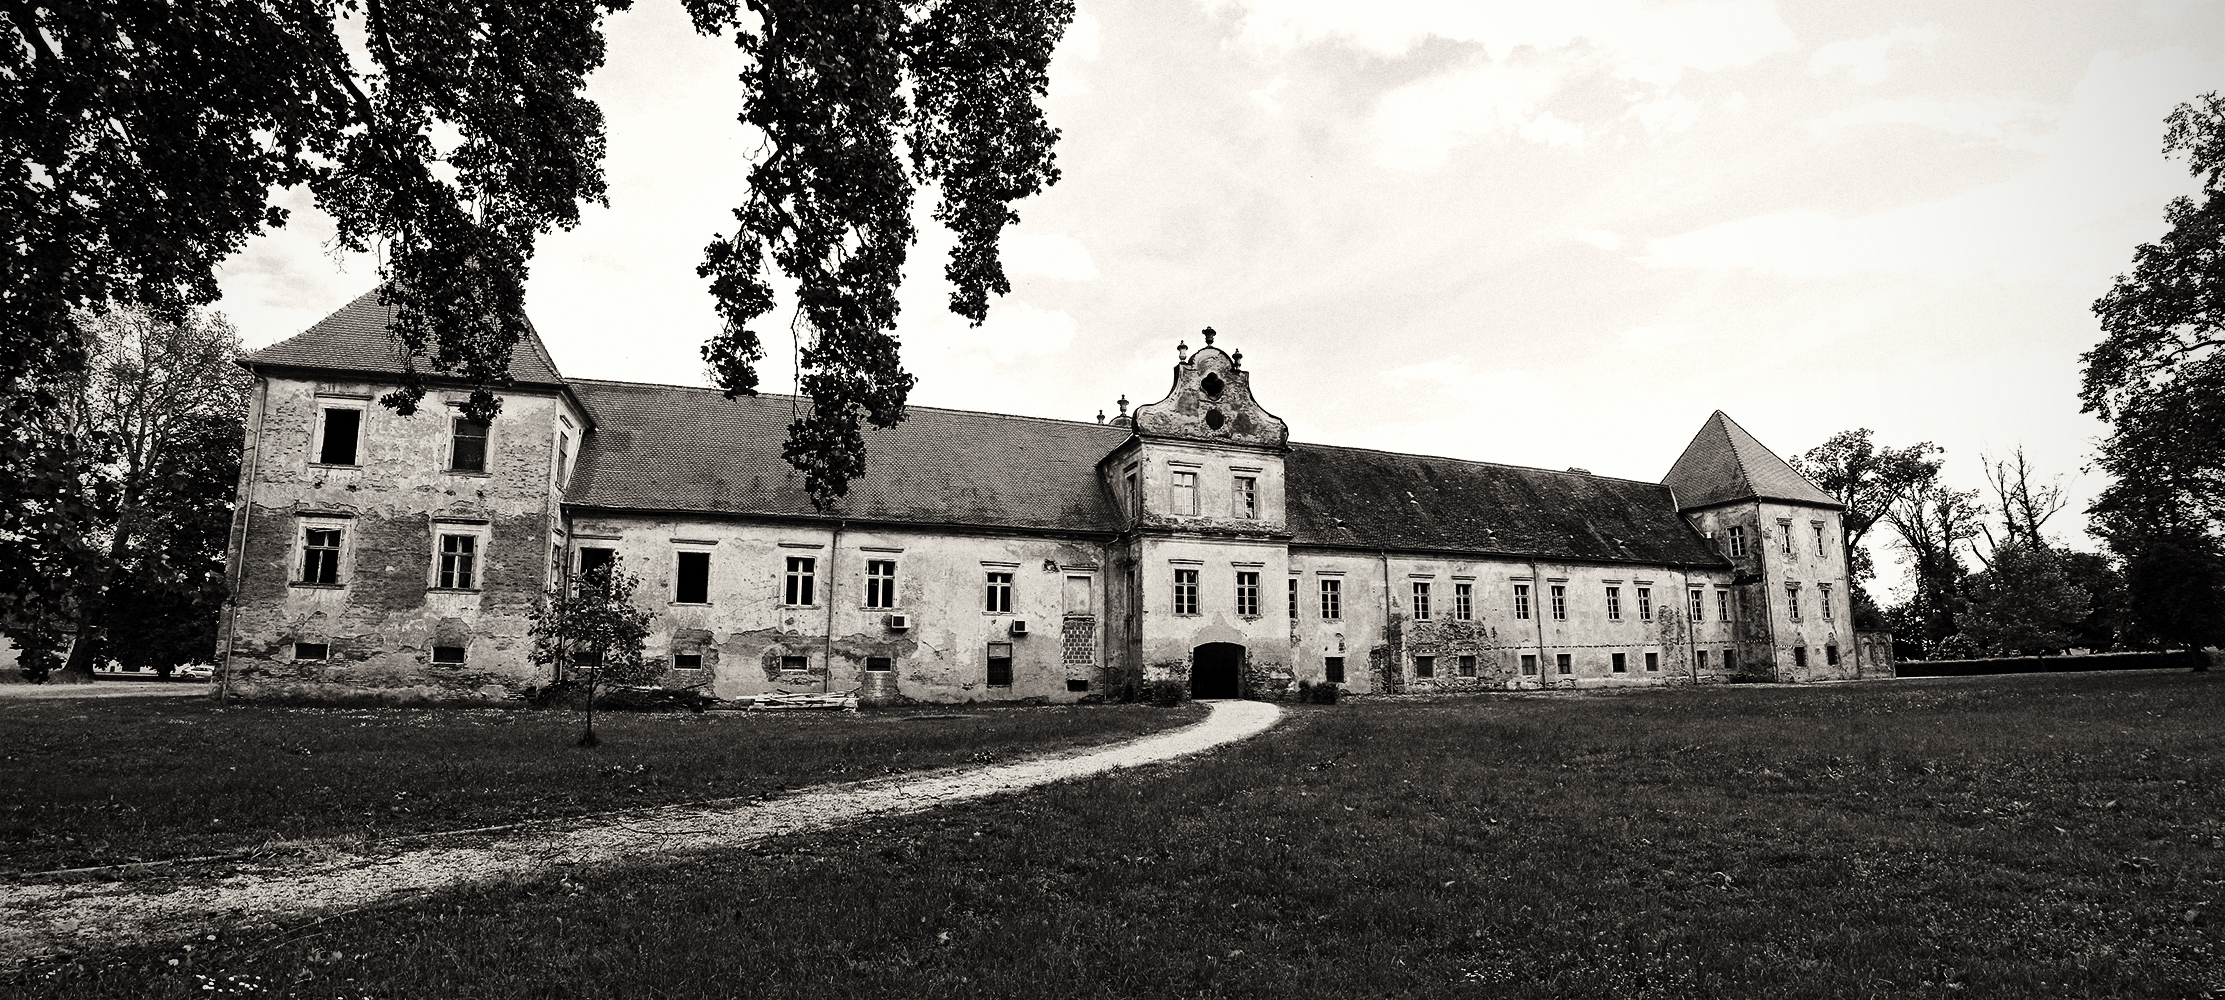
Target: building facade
[989,557]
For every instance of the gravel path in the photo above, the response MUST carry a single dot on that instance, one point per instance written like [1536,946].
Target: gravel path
[47,919]
[100,689]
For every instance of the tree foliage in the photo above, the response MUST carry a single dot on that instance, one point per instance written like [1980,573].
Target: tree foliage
[1932,523]
[1867,479]
[594,634]
[2024,603]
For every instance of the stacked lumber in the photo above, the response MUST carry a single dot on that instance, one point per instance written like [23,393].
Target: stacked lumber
[794,702]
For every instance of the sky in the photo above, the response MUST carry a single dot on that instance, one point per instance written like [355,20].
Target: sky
[1557,235]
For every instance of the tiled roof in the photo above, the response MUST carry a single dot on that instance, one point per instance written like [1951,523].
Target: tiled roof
[354,339]
[1375,499]
[684,449]
[1724,463]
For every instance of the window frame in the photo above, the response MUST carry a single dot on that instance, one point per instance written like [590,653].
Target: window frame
[880,588]
[1181,481]
[1185,591]
[1420,606]
[1332,669]
[1247,593]
[1244,497]
[1722,605]
[1618,662]
[1792,602]
[1614,604]
[680,560]
[1699,659]
[1823,596]
[1293,598]
[989,666]
[456,567]
[799,582]
[1467,664]
[322,434]
[326,647]
[1564,665]
[1737,535]
[1425,666]
[1645,604]
[1463,602]
[338,549]
[996,591]
[1332,599]
[1653,661]
[462,653]
[1522,602]
[456,437]
[1695,604]
[1784,533]
[1560,602]
[1820,550]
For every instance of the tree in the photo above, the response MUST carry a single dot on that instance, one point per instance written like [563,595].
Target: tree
[2024,602]
[1866,479]
[2024,508]
[1932,522]
[173,578]
[595,631]
[2104,585]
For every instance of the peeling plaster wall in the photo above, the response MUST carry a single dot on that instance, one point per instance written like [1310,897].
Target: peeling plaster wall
[746,629]
[1169,638]
[1767,643]
[383,617]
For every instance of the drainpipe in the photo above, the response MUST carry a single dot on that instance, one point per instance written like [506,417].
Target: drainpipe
[834,576]
[247,518]
[1537,614]
[1768,609]
[1393,665]
[1691,628]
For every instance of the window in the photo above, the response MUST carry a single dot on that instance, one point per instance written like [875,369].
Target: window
[1522,601]
[1468,665]
[1653,663]
[1823,590]
[448,654]
[1818,526]
[1618,663]
[1831,654]
[1135,499]
[1421,600]
[1185,591]
[1738,539]
[459,558]
[1800,656]
[997,594]
[1184,500]
[1560,603]
[1425,666]
[878,665]
[1332,599]
[1645,604]
[687,661]
[1699,658]
[693,585]
[1792,601]
[1294,598]
[1730,659]
[312,651]
[1247,595]
[1722,605]
[1561,664]
[468,448]
[795,664]
[880,583]
[594,564]
[1529,664]
[342,427]
[1244,497]
[563,459]
[1692,603]
[1614,604]
[1000,664]
[1463,601]
[1784,537]
[796,585]
[1332,668]
[320,555]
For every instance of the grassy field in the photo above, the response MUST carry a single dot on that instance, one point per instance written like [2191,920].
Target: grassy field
[1982,837]
[113,781]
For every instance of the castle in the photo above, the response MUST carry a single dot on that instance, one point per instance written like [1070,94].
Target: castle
[985,557]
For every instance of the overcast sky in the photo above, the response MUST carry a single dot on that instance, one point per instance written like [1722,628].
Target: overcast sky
[1543,234]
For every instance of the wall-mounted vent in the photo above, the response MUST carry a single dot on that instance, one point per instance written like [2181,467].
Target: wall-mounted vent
[898,623]
[1019,626]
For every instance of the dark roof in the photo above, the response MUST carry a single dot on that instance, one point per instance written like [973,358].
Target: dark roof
[683,449]
[1358,498]
[354,339]
[1725,464]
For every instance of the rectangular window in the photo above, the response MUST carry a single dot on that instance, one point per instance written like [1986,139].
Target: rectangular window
[1247,595]
[468,448]
[1730,659]
[1332,668]
[341,429]
[459,557]
[1722,605]
[1425,666]
[997,594]
[797,585]
[693,582]
[1823,591]
[1135,499]
[1784,537]
[1529,664]
[1332,600]
[1699,658]
[1000,664]
[1561,664]
[1818,525]
[448,654]
[1693,606]
[687,661]
[563,460]
[880,583]
[312,651]
[1184,498]
[1614,604]
[320,555]
[1618,663]
[1738,540]
[1468,665]
[1831,654]
[1244,497]
[594,564]
[1560,603]
[795,664]
[1792,601]
[1800,656]
[1645,604]
[1294,598]
[1185,591]
[1522,601]
[879,664]
[1653,663]
[1421,600]
[1464,601]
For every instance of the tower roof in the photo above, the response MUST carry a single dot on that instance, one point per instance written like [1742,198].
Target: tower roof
[354,339]
[1725,464]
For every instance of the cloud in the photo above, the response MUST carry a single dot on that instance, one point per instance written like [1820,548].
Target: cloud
[1869,60]
[1047,256]
[1654,338]
[1083,42]
[1600,238]
[1421,124]
[1445,371]
[1266,95]
[1671,113]
[1997,118]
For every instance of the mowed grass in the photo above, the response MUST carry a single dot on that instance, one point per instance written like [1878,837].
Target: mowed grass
[115,781]
[1983,837]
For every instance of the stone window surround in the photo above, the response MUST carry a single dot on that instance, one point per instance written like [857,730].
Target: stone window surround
[486,456]
[703,545]
[361,404]
[304,522]
[481,531]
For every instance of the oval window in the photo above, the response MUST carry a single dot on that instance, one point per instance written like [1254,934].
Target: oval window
[1212,386]
[1214,419]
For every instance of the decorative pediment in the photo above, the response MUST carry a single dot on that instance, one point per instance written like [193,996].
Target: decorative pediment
[1212,401]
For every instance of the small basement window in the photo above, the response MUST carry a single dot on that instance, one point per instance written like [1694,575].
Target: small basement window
[312,651]
[1800,656]
[878,664]
[795,664]
[1468,665]
[1621,664]
[1425,666]
[1077,684]
[687,661]
[1529,664]
[448,654]
[1000,664]
[1653,662]
[1560,663]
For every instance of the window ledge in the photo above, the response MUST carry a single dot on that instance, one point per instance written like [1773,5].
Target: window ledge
[468,474]
[799,607]
[688,604]
[452,590]
[336,465]
[868,607]
[318,586]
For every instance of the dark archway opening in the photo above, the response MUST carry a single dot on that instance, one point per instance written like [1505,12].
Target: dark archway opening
[1214,670]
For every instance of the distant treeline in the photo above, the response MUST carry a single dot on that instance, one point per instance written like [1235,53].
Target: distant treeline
[2182,660]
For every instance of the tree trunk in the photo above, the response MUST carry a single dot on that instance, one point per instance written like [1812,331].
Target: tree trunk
[92,603]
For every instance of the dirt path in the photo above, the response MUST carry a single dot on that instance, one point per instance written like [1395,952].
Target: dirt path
[46,919]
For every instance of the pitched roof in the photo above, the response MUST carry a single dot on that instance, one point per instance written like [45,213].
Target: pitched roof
[354,339]
[684,449]
[1724,464]
[1376,499]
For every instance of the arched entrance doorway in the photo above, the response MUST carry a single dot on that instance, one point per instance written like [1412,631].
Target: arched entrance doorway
[1214,669]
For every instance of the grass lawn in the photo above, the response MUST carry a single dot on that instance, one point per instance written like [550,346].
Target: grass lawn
[111,781]
[2052,835]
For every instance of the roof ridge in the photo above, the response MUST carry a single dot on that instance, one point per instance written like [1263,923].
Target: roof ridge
[792,396]
[1475,461]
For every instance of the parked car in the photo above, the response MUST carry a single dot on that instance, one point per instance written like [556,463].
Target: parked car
[196,671]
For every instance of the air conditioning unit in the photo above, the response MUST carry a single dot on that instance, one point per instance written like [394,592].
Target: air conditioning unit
[1019,626]
[898,623]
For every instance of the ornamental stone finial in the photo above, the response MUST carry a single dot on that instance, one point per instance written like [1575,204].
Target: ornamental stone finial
[1182,351]
[1209,336]
[1124,404]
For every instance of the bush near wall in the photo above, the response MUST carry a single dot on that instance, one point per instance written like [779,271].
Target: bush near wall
[2182,660]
